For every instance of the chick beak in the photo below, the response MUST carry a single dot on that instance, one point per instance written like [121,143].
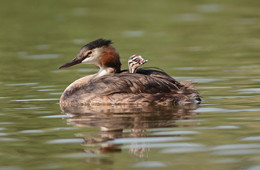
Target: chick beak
[71,63]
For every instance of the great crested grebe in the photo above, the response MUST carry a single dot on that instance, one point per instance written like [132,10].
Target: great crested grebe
[113,86]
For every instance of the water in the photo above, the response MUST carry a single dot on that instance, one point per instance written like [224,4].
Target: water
[215,43]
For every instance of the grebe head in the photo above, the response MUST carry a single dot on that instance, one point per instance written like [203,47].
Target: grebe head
[134,62]
[98,52]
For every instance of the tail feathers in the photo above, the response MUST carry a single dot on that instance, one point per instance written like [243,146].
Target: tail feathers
[190,90]
[189,84]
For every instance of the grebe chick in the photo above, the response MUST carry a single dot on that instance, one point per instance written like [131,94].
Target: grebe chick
[134,62]
[113,86]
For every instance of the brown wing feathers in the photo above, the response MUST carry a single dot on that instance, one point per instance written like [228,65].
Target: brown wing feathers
[129,83]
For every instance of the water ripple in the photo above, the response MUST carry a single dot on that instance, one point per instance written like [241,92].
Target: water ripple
[189,17]
[163,145]
[8,139]
[65,141]
[251,138]
[80,155]
[184,149]
[43,46]
[22,84]
[32,100]
[3,134]
[10,168]
[47,90]
[63,128]
[55,116]
[236,146]
[210,8]
[201,79]
[32,131]
[216,87]
[226,160]
[29,108]
[227,127]
[212,109]
[42,56]
[149,164]
[221,127]
[40,87]
[237,152]
[177,133]
[148,139]
[228,97]
[249,90]
[254,167]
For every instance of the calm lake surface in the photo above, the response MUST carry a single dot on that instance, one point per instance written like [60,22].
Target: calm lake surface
[215,43]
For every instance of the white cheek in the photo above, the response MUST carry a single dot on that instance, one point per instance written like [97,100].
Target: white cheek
[90,60]
[93,58]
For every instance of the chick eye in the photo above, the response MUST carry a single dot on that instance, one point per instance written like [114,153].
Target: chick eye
[138,60]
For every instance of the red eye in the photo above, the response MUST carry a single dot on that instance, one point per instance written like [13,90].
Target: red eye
[90,52]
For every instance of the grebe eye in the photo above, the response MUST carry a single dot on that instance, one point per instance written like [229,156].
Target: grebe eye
[87,55]
[90,52]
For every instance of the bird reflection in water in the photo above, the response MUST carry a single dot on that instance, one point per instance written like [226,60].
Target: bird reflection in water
[122,121]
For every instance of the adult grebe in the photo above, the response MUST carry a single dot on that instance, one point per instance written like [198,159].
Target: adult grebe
[113,86]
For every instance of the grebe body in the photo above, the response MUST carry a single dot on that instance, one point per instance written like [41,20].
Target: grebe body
[113,86]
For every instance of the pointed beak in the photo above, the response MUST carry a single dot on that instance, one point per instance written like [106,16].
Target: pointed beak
[71,63]
[77,60]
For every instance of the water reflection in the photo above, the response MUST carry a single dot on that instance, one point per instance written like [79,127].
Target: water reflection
[128,125]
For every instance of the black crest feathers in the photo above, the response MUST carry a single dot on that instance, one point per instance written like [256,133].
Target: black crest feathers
[97,43]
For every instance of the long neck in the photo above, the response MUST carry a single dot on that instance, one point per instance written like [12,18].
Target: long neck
[110,61]
[132,67]
[105,71]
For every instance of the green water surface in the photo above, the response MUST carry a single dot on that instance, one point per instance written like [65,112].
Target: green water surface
[215,43]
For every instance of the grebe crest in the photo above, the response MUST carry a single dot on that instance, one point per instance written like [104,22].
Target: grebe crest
[113,86]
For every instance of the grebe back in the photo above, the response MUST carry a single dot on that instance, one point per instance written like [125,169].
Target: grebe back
[113,86]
